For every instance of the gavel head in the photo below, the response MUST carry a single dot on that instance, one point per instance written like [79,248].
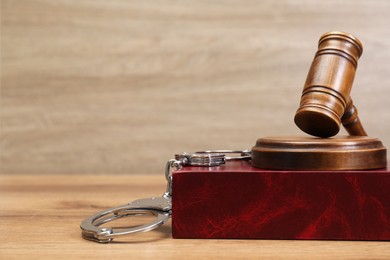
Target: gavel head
[328,85]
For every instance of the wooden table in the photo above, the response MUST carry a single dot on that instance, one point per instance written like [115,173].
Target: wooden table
[40,217]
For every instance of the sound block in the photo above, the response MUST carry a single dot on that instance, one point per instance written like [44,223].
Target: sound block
[238,201]
[310,153]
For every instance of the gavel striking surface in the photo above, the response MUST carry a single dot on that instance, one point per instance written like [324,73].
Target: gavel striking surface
[311,153]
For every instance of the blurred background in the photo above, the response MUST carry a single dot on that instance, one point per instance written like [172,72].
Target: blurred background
[119,87]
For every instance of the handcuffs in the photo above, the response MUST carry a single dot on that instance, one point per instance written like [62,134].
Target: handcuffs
[159,207]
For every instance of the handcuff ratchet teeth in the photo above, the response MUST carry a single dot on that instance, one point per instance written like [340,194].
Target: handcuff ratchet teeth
[159,207]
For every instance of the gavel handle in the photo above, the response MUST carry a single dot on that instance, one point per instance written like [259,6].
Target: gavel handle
[351,121]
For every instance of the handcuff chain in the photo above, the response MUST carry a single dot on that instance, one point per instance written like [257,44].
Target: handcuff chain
[171,164]
[201,158]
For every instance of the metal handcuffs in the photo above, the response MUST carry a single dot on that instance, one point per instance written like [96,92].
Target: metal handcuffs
[159,207]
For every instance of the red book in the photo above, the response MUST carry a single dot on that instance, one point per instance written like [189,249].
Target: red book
[238,201]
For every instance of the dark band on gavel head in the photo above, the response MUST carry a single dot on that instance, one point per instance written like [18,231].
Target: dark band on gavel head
[325,101]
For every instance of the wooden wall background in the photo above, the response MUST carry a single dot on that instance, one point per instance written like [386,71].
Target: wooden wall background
[120,86]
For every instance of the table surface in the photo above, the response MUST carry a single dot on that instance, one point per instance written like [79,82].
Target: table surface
[40,217]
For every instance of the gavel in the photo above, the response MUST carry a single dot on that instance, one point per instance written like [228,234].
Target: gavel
[326,102]
[325,105]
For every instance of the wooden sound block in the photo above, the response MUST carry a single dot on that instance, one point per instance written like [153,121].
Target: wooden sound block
[310,153]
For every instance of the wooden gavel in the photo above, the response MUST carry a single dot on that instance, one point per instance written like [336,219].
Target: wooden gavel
[326,101]
[325,105]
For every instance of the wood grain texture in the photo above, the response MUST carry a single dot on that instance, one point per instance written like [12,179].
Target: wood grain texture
[40,217]
[120,86]
[326,93]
